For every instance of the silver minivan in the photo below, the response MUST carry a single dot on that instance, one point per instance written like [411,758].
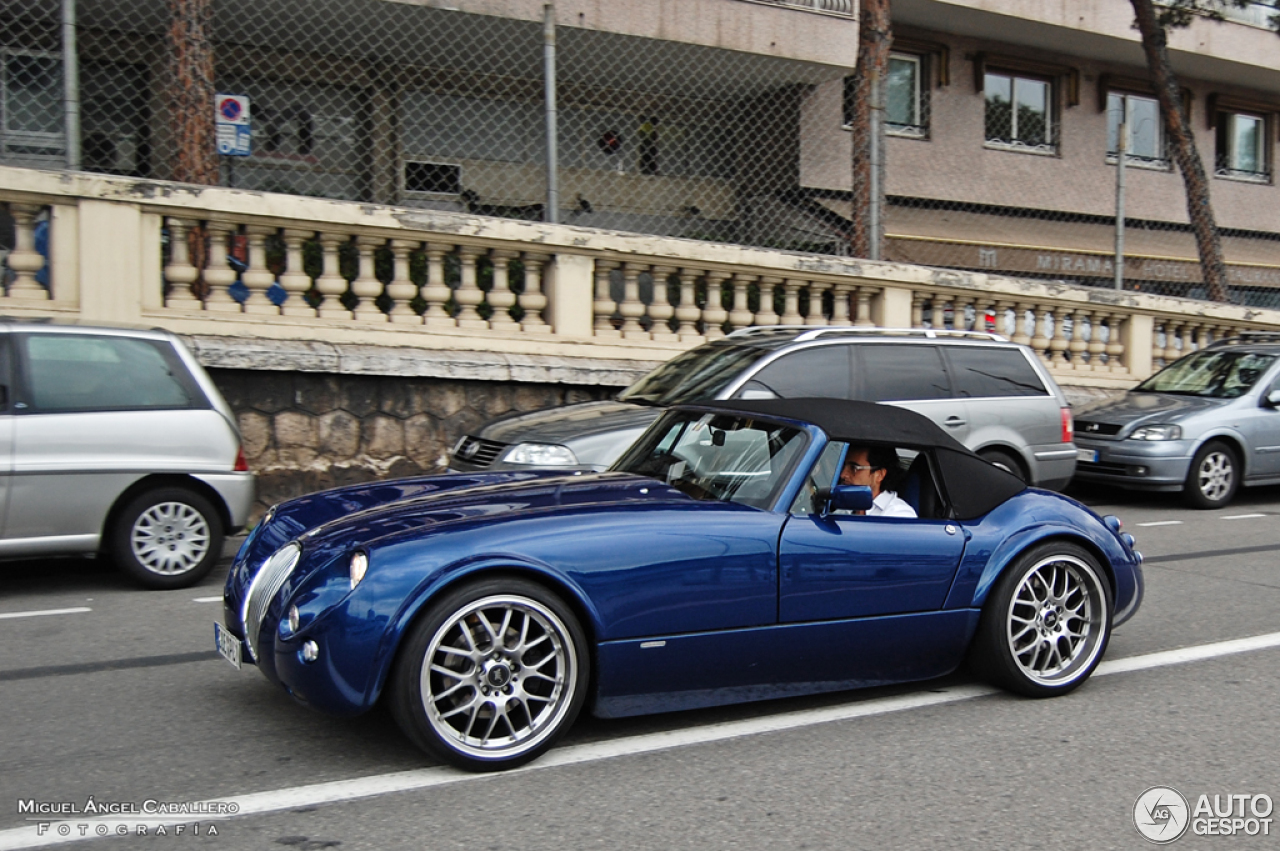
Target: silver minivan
[116,442]
[992,395]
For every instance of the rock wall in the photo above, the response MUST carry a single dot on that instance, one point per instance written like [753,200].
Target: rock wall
[306,431]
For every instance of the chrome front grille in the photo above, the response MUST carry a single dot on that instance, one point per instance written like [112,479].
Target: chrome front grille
[1088,428]
[478,452]
[263,590]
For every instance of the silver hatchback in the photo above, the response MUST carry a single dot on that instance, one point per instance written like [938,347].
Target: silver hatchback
[1205,424]
[992,395]
[116,441]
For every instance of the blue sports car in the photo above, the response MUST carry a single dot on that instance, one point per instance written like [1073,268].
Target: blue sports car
[736,552]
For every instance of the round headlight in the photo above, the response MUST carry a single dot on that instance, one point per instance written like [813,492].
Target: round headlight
[359,564]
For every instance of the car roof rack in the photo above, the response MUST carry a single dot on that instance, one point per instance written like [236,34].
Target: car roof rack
[812,332]
[1246,337]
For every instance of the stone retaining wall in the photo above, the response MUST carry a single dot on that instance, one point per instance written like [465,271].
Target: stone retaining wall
[307,431]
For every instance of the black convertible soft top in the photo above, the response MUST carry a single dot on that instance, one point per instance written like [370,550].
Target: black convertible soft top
[973,485]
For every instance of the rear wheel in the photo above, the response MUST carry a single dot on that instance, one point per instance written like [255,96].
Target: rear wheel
[167,538]
[1213,477]
[492,675]
[1003,460]
[1046,624]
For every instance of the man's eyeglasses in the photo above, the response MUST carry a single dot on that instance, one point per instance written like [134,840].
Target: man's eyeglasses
[861,467]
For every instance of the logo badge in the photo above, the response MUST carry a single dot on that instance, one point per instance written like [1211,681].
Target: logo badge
[1161,814]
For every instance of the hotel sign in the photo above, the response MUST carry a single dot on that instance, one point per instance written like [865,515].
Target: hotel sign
[1015,260]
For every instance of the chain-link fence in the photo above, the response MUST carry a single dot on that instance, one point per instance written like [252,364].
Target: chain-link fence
[396,103]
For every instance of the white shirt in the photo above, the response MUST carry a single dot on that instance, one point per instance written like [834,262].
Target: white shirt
[887,504]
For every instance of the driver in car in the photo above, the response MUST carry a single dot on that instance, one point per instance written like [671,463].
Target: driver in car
[870,466]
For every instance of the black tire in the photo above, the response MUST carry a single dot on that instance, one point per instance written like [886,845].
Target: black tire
[1005,461]
[167,538]
[1214,476]
[524,698]
[1046,623]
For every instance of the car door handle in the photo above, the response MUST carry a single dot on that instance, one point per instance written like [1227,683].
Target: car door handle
[954,422]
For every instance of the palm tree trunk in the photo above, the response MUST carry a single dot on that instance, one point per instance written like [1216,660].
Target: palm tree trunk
[189,91]
[874,37]
[1199,210]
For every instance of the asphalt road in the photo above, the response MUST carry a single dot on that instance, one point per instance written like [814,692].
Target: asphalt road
[120,698]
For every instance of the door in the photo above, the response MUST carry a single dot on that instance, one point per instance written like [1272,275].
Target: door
[842,566]
[1261,429]
[6,431]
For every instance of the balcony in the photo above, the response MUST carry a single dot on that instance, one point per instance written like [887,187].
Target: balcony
[835,7]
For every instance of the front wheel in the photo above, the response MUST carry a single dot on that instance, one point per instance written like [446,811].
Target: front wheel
[492,675]
[1046,624]
[1213,477]
[167,538]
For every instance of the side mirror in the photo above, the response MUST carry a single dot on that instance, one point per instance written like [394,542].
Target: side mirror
[849,498]
[1272,399]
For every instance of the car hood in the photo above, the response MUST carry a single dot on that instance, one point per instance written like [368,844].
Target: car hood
[365,514]
[1147,408]
[570,422]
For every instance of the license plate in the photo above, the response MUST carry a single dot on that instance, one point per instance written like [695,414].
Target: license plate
[1088,455]
[228,645]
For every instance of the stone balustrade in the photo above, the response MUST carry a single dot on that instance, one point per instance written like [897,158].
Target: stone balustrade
[242,265]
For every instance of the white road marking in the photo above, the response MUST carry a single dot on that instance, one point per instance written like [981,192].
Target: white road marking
[278,800]
[40,614]
[1241,516]
[1162,523]
[206,599]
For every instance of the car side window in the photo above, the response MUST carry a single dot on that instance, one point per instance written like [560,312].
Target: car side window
[983,371]
[66,372]
[821,371]
[6,383]
[819,478]
[891,373]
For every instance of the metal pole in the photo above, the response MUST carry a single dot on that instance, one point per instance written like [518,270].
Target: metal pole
[70,85]
[873,216]
[1121,155]
[552,212]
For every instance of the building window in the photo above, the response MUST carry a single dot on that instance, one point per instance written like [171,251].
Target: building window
[30,104]
[1144,131]
[1241,146]
[1019,113]
[906,96]
[906,111]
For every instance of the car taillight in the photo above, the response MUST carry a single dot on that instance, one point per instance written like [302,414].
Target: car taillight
[241,466]
[1068,426]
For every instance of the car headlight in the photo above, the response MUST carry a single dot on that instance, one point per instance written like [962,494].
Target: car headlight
[541,455]
[359,564]
[1157,432]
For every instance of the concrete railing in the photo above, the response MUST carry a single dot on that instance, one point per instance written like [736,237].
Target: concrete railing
[251,266]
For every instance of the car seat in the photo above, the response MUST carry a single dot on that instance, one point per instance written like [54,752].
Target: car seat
[918,489]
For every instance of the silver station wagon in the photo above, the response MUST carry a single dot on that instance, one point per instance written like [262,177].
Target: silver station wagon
[992,395]
[116,442]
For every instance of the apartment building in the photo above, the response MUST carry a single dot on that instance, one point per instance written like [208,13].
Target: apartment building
[721,120]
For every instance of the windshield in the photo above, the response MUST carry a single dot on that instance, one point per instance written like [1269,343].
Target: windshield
[718,457]
[1211,373]
[695,376]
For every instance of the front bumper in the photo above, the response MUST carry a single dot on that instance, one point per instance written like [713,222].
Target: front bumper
[1160,465]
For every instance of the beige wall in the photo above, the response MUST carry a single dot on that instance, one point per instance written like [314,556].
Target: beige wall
[953,163]
[760,28]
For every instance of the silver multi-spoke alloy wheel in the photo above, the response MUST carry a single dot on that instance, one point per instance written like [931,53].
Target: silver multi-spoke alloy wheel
[499,677]
[1056,621]
[1215,475]
[170,538]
